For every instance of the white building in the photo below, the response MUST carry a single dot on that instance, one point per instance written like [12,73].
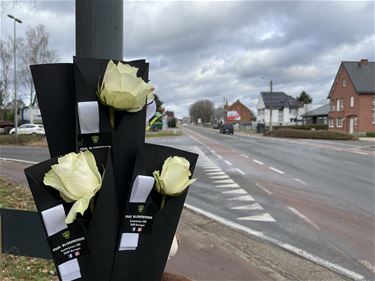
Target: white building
[284,109]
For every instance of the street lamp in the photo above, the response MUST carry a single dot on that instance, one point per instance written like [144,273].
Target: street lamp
[15,20]
[265,78]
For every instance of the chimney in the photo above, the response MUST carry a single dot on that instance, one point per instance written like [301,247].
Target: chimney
[363,62]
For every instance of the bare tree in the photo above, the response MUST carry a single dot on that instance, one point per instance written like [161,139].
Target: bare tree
[6,56]
[35,50]
[202,109]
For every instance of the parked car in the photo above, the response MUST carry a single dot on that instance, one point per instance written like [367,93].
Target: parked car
[216,126]
[226,129]
[5,126]
[29,129]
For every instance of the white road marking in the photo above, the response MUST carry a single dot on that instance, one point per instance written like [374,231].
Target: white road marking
[18,160]
[212,151]
[212,170]
[261,217]
[240,171]
[219,177]
[300,181]
[263,188]
[229,163]
[235,191]
[368,265]
[306,219]
[276,170]
[224,181]
[231,185]
[216,173]
[255,206]
[243,198]
[338,149]
[258,162]
[244,155]
[219,156]
[359,152]
[297,251]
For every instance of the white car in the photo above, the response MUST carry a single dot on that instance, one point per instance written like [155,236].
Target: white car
[29,129]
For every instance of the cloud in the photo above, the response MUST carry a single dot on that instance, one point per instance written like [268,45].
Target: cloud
[211,50]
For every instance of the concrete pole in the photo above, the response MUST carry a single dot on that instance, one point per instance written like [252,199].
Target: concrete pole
[99,29]
[15,20]
[271,105]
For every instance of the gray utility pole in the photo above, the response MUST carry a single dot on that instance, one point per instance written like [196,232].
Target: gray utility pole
[99,29]
[262,77]
[15,20]
[271,105]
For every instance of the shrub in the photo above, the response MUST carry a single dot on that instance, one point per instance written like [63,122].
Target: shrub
[302,134]
[370,134]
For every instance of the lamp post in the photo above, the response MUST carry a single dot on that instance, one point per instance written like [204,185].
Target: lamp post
[15,20]
[270,100]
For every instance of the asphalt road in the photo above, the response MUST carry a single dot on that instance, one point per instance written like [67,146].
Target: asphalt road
[315,198]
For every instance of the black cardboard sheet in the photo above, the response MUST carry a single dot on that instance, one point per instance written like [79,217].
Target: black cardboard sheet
[129,130]
[102,229]
[148,261]
[54,86]
[22,234]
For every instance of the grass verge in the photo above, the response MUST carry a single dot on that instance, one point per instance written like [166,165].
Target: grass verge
[166,133]
[31,140]
[301,134]
[15,267]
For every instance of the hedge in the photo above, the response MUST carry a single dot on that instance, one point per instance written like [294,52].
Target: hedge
[288,133]
[302,127]
[370,134]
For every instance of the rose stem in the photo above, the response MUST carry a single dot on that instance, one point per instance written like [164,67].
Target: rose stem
[163,202]
[112,117]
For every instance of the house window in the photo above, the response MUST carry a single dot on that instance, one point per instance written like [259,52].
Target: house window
[351,101]
[280,116]
[333,107]
[340,104]
[331,122]
[344,83]
[339,121]
[373,109]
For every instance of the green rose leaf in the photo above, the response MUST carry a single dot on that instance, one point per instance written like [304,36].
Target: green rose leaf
[77,179]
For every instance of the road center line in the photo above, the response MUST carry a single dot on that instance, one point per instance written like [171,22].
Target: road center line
[276,170]
[296,212]
[240,171]
[258,162]
[359,152]
[229,163]
[244,155]
[263,188]
[300,181]
[219,156]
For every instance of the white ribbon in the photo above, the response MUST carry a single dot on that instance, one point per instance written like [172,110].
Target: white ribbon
[150,111]
[54,221]
[88,114]
[141,188]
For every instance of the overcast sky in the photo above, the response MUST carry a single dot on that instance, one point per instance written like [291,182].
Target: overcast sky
[215,49]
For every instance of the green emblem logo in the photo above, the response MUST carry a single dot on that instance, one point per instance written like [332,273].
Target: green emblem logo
[141,208]
[95,139]
[66,234]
